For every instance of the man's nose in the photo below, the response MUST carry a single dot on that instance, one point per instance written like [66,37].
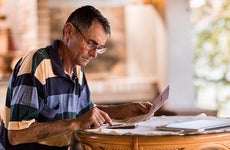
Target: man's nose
[93,53]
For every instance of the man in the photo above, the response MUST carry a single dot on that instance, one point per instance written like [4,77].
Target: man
[48,97]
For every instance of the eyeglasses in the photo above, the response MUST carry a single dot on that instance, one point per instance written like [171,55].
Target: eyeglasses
[92,45]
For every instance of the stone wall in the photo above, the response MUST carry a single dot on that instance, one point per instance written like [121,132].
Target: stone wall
[112,63]
[135,61]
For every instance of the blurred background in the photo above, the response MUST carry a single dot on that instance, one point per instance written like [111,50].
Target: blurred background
[183,43]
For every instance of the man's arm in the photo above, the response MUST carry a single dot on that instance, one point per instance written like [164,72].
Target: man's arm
[122,111]
[41,131]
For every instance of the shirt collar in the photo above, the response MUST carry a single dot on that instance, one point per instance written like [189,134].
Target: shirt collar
[57,63]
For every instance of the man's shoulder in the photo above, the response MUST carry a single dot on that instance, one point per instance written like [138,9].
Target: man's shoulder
[40,53]
[32,59]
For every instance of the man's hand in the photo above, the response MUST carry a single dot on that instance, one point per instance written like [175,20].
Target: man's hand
[135,109]
[92,119]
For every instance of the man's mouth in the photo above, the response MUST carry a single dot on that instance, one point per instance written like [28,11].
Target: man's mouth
[86,59]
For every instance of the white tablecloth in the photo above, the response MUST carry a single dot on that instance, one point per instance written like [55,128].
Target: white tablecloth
[149,127]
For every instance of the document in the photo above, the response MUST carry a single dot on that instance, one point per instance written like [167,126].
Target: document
[156,104]
[196,125]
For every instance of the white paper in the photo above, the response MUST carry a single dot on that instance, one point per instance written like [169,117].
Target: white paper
[156,104]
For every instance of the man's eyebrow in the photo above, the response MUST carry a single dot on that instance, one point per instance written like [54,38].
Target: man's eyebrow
[93,41]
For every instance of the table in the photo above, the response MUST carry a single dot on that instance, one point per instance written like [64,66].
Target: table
[156,140]
[217,141]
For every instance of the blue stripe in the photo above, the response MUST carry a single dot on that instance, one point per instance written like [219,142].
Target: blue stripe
[67,102]
[90,106]
[66,115]
[25,95]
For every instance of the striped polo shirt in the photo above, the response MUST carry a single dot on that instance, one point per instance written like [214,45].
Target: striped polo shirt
[39,90]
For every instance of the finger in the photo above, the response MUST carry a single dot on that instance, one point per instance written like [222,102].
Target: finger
[96,123]
[143,108]
[148,104]
[107,119]
[99,118]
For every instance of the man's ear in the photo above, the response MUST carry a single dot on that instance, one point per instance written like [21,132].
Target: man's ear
[68,30]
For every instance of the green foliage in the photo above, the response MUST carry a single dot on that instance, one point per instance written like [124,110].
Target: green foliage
[212,42]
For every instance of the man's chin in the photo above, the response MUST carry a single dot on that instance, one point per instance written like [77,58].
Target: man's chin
[83,64]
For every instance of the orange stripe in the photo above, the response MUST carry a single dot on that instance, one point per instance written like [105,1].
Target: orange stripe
[44,71]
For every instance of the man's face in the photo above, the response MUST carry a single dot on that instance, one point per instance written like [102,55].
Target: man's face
[84,45]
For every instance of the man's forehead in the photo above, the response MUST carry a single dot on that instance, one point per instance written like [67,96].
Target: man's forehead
[97,34]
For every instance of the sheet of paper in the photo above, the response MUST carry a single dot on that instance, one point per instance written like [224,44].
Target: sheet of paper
[196,125]
[156,104]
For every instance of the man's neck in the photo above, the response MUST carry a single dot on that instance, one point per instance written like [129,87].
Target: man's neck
[66,62]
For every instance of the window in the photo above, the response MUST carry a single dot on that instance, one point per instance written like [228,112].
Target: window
[211,30]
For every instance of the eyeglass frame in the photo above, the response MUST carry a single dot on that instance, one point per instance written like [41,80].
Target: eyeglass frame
[92,45]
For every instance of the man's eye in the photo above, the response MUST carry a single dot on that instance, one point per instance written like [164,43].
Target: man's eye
[92,45]
[92,42]
[101,47]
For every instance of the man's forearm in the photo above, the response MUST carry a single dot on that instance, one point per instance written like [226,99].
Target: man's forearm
[114,111]
[40,131]
[127,110]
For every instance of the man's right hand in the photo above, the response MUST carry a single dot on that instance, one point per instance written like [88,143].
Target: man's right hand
[92,119]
